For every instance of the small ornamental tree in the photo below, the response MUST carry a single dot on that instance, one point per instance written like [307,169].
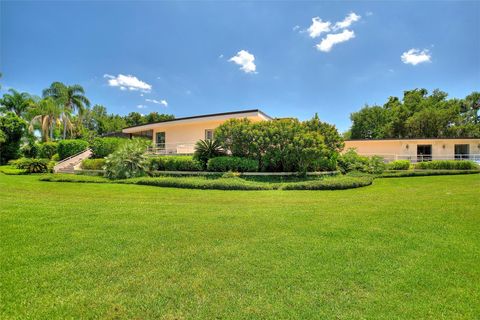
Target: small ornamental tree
[206,150]
[128,161]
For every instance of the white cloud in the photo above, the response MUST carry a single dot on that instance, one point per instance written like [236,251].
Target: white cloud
[129,82]
[330,40]
[347,22]
[141,106]
[295,28]
[246,60]
[162,102]
[318,27]
[416,56]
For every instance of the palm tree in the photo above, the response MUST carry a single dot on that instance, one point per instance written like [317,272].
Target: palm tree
[71,97]
[15,101]
[48,115]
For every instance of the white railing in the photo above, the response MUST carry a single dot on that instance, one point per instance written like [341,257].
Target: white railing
[420,158]
[172,148]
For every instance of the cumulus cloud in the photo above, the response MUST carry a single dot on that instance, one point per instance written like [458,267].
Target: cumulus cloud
[129,82]
[246,60]
[163,102]
[330,40]
[347,22]
[416,56]
[318,27]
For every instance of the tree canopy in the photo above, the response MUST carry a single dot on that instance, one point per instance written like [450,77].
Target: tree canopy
[419,115]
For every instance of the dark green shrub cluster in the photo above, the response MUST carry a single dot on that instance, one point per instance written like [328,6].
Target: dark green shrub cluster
[236,164]
[93,164]
[30,150]
[67,148]
[352,161]
[102,147]
[286,145]
[32,165]
[174,163]
[46,150]
[336,183]
[399,165]
[447,165]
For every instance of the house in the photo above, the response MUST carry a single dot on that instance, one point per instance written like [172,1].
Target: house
[418,149]
[178,136]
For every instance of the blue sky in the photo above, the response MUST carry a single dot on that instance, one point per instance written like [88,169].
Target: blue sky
[196,57]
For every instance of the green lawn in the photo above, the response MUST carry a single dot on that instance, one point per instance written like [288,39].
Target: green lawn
[403,248]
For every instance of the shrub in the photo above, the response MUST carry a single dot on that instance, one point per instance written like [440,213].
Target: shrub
[56,157]
[352,161]
[30,150]
[93,164]
[174,163]
[47,149]
[102,147]
[447,165]
[67,148]
[224,164]
[128,161]
[202,183]
[31,165]
[375,165]
[206,150]
[399,165]
[336,183]
[413,173]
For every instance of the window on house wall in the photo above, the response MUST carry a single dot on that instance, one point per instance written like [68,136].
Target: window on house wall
[462,151]
[160,140]
[424,152]
[209,134]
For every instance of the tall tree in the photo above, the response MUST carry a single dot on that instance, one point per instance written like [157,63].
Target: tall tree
[48,113]
[17,102]
[13,128]
[71,97]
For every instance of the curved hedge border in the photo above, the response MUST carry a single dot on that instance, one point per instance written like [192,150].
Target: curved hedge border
[423,173]
[233,183]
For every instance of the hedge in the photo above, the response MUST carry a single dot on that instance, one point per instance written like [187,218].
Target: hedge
[174,163]
[93,164]
[337,183]
[68,148]
[399,165]
[102,147]
[237,164]
[202,183]
[422,173]
[46,150]
[447,165]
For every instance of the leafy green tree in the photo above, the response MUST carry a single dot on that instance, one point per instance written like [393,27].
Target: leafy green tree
[47,114]
[331,136]
[369,123]
[13,128]
[134,119]
[17,102]
[71,97]
[157,117]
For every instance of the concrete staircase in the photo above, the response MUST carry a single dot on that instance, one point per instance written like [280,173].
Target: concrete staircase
[68,165]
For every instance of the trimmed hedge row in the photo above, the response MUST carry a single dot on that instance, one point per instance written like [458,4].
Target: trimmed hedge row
[421,173]
[174,163]
[447,165]
[337,183]
[236,164]
[47,150]
[68,148]
[102,147]
[198,183]
[93,164]
[399,165]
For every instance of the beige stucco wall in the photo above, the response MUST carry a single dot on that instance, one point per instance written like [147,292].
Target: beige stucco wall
[441,148]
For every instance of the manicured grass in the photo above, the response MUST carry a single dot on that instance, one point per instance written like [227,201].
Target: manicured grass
[404,248]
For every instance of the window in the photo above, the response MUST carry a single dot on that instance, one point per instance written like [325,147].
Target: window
[462,151]
[160,140]
[209,134]
[424,152]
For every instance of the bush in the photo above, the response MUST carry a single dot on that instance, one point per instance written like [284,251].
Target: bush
[352,161]
[206,150]
[203,183]
[68,148]
[174,163]
[399,165]
[102,147]
[30,150]
[237,164]
[93,164]
[336,183]
[128,161]
[31,165]
[47,150]
[56,157]
[375,165]
[422,173]
[447,165]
